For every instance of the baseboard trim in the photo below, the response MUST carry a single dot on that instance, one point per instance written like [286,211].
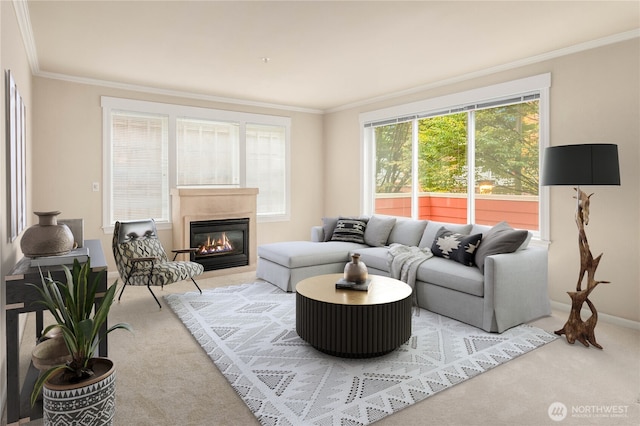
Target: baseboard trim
[610,319]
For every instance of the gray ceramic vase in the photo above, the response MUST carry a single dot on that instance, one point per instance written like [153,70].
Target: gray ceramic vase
[356,271]
[47,238]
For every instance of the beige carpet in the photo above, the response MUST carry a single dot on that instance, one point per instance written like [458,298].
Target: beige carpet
[165,378]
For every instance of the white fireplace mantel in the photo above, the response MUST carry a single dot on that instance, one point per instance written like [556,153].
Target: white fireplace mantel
[196,204]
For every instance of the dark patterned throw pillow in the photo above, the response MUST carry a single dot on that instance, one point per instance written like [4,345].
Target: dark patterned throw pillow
[454,246]
[349,230]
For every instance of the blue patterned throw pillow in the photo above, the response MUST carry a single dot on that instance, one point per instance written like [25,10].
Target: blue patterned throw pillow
[454,246]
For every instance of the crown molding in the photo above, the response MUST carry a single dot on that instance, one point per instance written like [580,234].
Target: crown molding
[24,23]
[173,93]
[616,38]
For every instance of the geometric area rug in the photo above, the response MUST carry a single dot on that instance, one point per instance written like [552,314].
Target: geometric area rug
[249,333]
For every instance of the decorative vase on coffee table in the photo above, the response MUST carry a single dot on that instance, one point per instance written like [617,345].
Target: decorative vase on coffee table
[356,271]
[47,237]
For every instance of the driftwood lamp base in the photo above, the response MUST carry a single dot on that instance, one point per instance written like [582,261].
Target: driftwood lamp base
[575,328]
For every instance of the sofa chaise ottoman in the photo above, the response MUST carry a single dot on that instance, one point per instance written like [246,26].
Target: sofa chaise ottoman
[493,280]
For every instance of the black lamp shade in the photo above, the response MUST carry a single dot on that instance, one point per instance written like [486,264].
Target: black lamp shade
[586,164]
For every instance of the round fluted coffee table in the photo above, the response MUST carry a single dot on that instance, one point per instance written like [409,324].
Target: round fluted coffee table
[352,323]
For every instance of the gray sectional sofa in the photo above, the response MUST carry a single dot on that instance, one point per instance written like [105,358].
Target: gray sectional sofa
[489,277]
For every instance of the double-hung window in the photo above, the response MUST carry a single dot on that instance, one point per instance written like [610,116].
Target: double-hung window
[139,184]
[151,148]
[472,157]
[208,152]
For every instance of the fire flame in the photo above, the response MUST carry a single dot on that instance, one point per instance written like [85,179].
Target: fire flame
[216,245]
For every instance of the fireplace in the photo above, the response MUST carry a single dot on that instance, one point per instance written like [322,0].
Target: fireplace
[214,205]
[221,243]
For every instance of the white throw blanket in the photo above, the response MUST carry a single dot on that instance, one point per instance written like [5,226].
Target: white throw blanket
[404,262]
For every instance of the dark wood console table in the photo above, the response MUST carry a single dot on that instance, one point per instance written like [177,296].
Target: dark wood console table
[20,299]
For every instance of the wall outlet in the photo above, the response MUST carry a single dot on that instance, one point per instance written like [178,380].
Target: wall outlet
[95,186]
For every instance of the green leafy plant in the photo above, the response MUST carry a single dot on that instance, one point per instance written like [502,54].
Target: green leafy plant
[71,305]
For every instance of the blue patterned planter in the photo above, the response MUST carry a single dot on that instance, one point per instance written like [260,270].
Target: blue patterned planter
[88,403]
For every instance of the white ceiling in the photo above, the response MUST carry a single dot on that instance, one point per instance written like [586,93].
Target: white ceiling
[322,55]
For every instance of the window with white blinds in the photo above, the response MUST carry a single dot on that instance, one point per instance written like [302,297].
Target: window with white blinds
[266,154]
[150,148]
[139,172]
[208,152]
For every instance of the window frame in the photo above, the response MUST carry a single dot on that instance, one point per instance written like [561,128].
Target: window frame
[539,84]
[174,111]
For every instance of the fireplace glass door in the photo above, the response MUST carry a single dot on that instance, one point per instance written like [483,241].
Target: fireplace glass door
[220,243]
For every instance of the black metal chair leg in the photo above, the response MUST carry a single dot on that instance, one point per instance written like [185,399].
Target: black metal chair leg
[154,296]
[149,286]
[122,290]
[126,281]
[194,281]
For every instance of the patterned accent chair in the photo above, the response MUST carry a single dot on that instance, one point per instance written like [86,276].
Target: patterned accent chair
[141,259]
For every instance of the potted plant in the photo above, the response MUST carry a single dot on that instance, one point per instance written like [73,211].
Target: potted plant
[85,377]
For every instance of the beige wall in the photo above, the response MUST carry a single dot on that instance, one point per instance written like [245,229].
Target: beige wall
[595,97]
[68,158]
[12,57]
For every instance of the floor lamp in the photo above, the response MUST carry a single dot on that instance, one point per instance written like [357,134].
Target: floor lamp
[575,165]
